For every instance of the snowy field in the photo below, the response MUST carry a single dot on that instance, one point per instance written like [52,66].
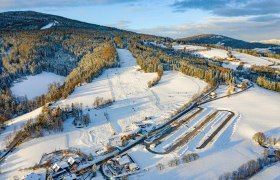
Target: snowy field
[188,47]
[255,110]
[234,145]
[272,172]
[214,53]
[203,52]
[36,85]
[251,60]
[133,102]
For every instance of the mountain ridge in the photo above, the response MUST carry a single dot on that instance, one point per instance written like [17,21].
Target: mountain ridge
[32,20]
[221,40]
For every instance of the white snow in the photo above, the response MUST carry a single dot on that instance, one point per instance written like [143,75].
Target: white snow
[272,60]
[158,44]
[188,47]
[36,85]
[251,60]
[51,24]
[256,110]
[270,41]
[203,52]
[15,125]
[214,53]
[133,102]
[231,65]
[269,173]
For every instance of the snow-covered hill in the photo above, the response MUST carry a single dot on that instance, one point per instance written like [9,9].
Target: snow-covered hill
[270,41]
[133,102]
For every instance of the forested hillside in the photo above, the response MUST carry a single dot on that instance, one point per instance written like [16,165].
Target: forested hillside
[81,51]
[77,50]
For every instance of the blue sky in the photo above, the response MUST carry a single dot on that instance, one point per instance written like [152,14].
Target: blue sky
[242,19]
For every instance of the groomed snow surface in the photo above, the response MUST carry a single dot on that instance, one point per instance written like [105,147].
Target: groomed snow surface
[133,102]
[36,85]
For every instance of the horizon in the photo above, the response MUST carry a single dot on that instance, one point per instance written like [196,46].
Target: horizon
[252,20]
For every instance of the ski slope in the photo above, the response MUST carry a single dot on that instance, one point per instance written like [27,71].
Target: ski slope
[49,25]
[133,102]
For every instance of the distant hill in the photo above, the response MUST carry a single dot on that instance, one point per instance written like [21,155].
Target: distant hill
[223,41]
[270,41]
[30,20]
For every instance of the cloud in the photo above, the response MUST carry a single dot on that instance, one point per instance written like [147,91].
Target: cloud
[245,28]
[265,18]
[122,24]
[23,4]
[230,7]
